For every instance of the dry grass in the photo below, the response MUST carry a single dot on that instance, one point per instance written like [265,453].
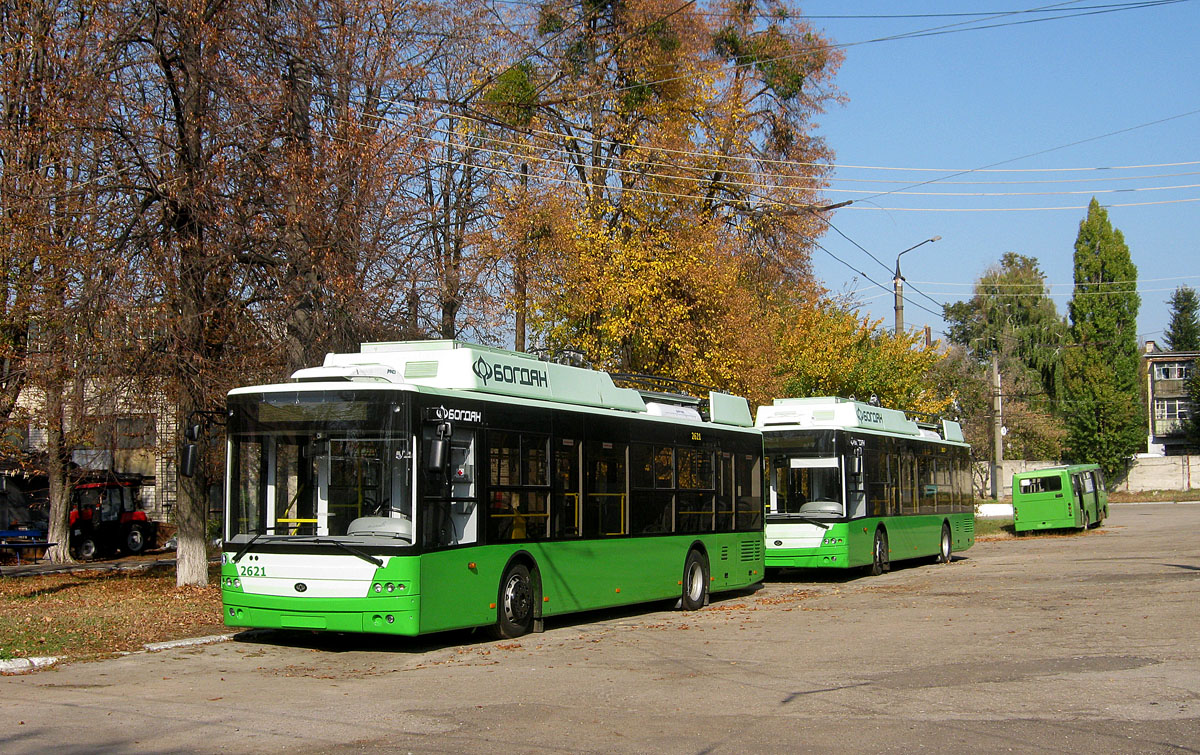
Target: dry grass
[1154,496]
[88,614]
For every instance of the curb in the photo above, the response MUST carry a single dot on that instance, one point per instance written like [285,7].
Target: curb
[154,647]
[25,665]
[22,665]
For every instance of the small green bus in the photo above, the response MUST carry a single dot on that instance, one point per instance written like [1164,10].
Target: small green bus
[1069,496]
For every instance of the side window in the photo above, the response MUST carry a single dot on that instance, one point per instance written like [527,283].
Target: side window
[926,485]
[748,491]
[1089,483]
[878,481]
[696,490]
[725,497]
[652,500]
[605,504]
[519,479]
[565,510]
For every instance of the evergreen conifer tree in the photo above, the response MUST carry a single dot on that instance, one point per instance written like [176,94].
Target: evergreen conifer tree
[1183,332]
[1102,408]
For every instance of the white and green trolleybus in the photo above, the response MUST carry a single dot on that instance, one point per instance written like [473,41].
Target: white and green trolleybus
[857,485]
[424,486]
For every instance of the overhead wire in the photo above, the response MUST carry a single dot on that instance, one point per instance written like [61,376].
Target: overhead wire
[544,134]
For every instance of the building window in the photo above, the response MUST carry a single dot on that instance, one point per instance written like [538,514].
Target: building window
[1172,371]
[1171,408]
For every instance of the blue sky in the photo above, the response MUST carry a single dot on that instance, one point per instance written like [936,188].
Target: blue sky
[983,98]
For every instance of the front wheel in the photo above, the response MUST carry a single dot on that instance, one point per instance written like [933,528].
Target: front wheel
[85,548]
[880,560]
[944,553]
[514,610]
[695,581]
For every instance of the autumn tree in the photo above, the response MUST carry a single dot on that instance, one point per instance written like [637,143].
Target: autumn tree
[57,212]
[679,139]
[1183,331]
[828,350]
[1102,409]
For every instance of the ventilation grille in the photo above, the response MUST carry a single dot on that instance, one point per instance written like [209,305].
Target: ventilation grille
[420,369]
[752,550]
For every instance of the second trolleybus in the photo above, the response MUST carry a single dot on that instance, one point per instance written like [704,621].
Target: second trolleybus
[857,485]
[424,486]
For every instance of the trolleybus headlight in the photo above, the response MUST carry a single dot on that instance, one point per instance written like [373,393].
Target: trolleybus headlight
[237,582]
[378,587]
[391,619]
[391,587]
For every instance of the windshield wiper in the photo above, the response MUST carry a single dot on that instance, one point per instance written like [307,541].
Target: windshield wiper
[802,518]
[246,548]
[349,549]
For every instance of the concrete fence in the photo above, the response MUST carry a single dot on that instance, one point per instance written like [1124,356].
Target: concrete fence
[1147,473]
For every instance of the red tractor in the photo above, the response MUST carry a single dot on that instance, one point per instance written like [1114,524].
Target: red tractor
[107,517]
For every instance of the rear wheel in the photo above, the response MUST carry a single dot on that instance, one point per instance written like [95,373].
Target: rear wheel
[695,581]
[514,609]
[880,560]
[135,540]
[944,553]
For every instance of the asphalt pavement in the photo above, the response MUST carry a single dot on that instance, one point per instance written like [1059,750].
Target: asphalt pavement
[1086,642]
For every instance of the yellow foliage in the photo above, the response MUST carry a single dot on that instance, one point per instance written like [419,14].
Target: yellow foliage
[826,350]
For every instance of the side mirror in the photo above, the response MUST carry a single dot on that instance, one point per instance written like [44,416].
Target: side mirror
[188,459]
[856,461]
[193,432]
[438,455]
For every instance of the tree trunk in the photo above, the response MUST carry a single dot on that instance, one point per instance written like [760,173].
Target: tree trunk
[56,470]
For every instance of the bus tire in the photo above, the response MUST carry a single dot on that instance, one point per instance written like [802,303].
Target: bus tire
[695,581]
[880,559]
[943,556]
[514,604]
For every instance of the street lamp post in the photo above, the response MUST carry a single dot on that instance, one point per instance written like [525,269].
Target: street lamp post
[898,285]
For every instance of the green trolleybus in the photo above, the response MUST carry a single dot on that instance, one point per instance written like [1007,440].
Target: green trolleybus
[425,486]
[1059,498]
[853,484]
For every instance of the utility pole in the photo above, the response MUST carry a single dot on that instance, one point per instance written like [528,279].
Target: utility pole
[997,429]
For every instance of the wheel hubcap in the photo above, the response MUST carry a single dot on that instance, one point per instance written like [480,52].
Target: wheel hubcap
[516,599]
[696,582]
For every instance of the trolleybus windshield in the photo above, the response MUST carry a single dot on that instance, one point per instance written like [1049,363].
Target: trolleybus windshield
[319,464]
[807,487]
